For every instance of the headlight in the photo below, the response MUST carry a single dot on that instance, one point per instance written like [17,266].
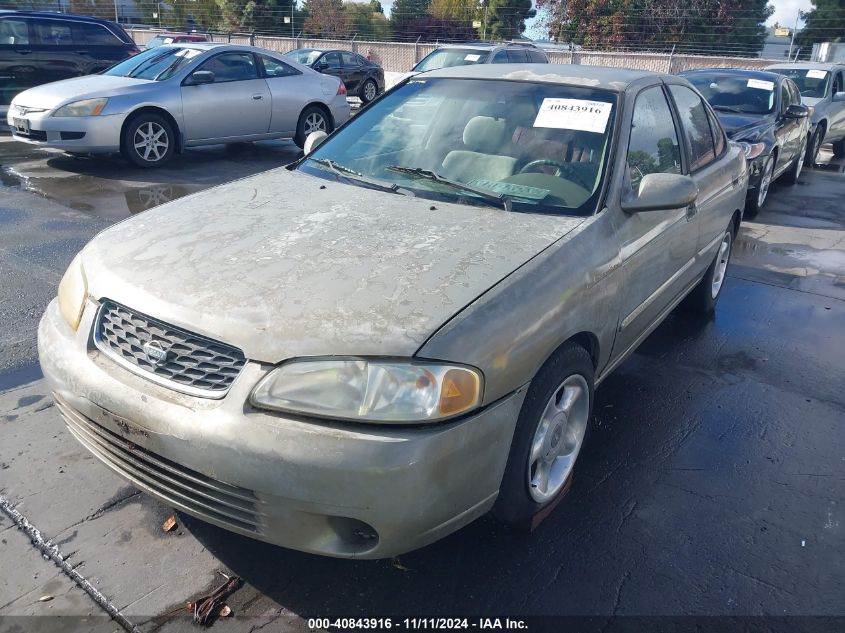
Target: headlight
[88,107]
[752,150]
[388,392]
[72,292]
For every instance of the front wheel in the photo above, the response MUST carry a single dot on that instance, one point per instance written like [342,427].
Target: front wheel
[312,119]
[791,176]
[705,295]
[148,141]
[369,91]
[757,198]
[814,146]
[550,432]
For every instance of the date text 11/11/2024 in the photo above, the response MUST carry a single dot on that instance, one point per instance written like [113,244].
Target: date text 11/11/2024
[416,624]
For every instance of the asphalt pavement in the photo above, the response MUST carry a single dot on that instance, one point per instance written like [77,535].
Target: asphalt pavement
[713,483]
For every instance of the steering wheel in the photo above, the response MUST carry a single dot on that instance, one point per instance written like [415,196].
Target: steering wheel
[563,169]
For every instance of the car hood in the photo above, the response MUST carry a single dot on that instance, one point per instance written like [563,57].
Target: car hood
[811,101]
[54,94]
[283,264]
[741,126]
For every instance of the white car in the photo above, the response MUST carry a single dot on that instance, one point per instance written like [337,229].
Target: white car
[155,104]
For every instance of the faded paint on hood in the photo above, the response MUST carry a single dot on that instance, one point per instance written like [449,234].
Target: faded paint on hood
[283,264]
[58,93]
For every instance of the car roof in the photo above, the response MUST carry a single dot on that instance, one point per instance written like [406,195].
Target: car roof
[55,14]
[616,79]
[765,75]
[807,65]
[488,46]
[177,34]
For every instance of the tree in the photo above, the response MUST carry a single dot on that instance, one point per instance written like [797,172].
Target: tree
[326,18]
[715,26]
[403,13]
[366,21]
[456,10]
[431,29]
[206,14]
[825,22]
[505,19]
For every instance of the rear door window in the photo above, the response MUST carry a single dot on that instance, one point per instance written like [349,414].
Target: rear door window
[350,59]
[517,56]
[718,133]
[14,32]
[53,32]
[693,115]
[537,57]
[500,58]
[332,60]
[95,35]
[275,68]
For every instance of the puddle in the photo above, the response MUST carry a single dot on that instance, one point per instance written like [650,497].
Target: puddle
[793,257]
[8,178]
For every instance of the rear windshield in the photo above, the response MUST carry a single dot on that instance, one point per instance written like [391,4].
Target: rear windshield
[736,93]
[811,82]
[306,57]
[158,41]
[156,64]
[447,57]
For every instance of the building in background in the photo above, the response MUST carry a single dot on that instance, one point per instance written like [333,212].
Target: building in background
[778,43]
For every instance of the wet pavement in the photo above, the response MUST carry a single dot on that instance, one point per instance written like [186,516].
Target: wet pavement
[713,482]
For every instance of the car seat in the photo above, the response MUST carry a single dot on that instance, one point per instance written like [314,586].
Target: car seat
[484,137]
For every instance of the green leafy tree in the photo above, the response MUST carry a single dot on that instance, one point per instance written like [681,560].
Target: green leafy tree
[367,21]
[825,22]
[505,19]
[403,13]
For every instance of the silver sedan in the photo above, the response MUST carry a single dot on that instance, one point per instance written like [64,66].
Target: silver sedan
[361,353]
[155,104]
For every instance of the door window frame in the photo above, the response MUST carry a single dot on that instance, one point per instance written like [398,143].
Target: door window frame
[258,68]
[687,149]
[262,72]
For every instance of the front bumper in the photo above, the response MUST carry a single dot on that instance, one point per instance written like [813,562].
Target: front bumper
[353,491]
[95,134]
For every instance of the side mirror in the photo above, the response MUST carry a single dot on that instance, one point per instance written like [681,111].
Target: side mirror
[839,97]
[797,112]
[200,77]
[320,66]
[659,192]
[313,140]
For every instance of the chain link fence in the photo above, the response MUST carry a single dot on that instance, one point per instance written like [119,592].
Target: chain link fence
[399,57]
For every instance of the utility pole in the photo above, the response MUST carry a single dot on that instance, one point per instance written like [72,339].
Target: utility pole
[792,41]
[116,17]
[292,5]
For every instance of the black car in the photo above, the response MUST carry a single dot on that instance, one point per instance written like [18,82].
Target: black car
[363,78]
[39,47]
[763,111]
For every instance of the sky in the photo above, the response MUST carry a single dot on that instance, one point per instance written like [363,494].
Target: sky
[785,13]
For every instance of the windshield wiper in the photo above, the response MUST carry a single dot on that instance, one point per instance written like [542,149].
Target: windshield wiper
[728,109]
[347,172]
[427,174]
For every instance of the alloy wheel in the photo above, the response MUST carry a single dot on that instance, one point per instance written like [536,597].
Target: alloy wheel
[722,259]
[151,141]
[765,181]
[315,122]
[558,438]
[369,91]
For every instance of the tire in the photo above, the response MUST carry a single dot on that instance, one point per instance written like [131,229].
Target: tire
[309,121]
[369,91]
[568,374]
[839,148]
[704,297]
[794,171]
[158,151]
[757,197]
[815,145]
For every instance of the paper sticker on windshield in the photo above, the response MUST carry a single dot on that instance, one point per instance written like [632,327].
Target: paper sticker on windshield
[761,85]
[574,114]
[511,189]
[472,57]
[816,74]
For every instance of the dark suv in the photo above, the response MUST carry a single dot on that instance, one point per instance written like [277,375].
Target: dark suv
[38,47]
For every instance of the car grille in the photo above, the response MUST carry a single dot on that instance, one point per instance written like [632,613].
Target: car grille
[35,135]
[174,484]
[193,364]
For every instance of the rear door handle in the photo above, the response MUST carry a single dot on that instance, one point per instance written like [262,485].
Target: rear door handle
[257,97]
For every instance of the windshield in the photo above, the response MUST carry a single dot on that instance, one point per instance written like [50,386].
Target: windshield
[448,57]
[736,93]
[523,146]
[157,64]
[304,56]
[811,82]
[158,41]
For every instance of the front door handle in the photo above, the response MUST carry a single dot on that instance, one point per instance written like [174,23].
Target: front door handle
[257,97]
[24,52]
